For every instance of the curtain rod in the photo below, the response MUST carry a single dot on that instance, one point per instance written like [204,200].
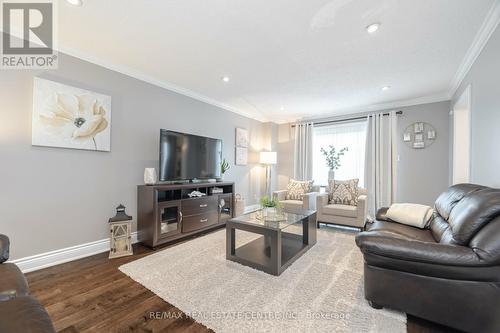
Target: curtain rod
[349,119]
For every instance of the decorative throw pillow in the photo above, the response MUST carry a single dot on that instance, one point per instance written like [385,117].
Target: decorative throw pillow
[343,192]
[296,189]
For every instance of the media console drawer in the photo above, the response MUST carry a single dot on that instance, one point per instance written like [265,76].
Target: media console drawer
[199,205]
[200,221]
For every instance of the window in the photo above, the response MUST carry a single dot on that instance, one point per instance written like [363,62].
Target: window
[340,135]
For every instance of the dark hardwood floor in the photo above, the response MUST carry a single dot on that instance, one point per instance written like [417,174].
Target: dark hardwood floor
[92,295]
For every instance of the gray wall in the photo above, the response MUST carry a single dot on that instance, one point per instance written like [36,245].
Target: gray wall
[422,174]
[484,78]
[53,198]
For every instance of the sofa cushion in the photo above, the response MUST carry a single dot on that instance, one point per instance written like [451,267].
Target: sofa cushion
[401,231]
[341,210]
[296,189]
[447,200]
[472,213]
[344,192]
[24,314]
[12,280]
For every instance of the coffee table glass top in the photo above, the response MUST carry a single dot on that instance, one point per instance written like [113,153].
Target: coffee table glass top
[289,219]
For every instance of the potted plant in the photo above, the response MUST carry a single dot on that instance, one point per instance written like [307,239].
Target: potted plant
[333,159]
[224,166]
[269,205]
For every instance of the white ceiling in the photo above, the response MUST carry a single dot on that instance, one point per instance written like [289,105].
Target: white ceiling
[312,57]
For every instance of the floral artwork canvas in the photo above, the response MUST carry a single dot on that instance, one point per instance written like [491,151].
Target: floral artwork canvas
[70,117]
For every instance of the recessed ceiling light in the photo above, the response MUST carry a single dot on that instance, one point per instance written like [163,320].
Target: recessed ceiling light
[372,28]
[225,79]
[386,88]
[75,2]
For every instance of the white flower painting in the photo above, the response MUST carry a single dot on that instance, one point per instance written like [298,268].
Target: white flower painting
[70,117]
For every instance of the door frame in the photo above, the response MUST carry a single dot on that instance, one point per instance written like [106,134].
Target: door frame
[463,104]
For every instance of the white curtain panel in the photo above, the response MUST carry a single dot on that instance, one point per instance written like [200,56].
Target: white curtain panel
[303,153]
[381,160]
[351,134]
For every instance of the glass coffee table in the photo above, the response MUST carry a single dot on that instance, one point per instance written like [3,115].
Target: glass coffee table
[280,244]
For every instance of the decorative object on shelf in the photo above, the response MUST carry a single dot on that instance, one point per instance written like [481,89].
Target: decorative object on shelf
[196,194]
[217,190]
[70,117]
[241,156]
[419,135]
[333,159]
[239,202]
[224,166]
[268,158]
[241,137]
[150,176]
[120,239]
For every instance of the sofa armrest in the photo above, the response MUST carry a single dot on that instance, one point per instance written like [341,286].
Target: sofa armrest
[280,195]
[411,250]
[382,214]
[321,201]
[309,201]
[4,248]
[362,207]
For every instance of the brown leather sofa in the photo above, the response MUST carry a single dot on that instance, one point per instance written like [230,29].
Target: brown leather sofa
[448,273]
[19,312]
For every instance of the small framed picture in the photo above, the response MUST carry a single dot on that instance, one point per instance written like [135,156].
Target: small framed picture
[241,156]
[419,127]
[241,137]
[419,137]
[407,137]
[419,145]
[431,135]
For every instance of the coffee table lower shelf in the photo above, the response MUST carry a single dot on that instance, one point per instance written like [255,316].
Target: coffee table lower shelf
[275,250]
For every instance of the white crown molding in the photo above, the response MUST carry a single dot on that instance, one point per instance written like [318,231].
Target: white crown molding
[379,107]
[125,70]
[482,37]
[61,256]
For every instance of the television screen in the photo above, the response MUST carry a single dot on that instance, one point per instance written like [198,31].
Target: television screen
[185,156]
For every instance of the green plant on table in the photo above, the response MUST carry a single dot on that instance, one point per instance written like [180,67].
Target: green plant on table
[266,202]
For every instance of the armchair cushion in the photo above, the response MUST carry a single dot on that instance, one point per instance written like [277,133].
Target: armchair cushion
[341,210]
[296,189]
[4,248]
[344,192]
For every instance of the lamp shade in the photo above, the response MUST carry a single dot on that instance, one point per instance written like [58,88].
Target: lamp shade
[268,157]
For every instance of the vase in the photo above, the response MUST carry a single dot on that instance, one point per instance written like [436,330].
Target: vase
[331,174]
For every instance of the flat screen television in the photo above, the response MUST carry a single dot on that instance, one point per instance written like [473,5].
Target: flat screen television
[186,156]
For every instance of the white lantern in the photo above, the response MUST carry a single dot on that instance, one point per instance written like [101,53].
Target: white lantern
[120,239]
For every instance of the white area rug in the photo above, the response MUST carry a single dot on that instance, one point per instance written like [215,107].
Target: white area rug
[321,292]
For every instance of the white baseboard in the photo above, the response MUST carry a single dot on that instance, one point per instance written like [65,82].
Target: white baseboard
[52,258]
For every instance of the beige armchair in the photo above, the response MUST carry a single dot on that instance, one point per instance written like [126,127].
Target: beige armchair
[308,201]
[351,216]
